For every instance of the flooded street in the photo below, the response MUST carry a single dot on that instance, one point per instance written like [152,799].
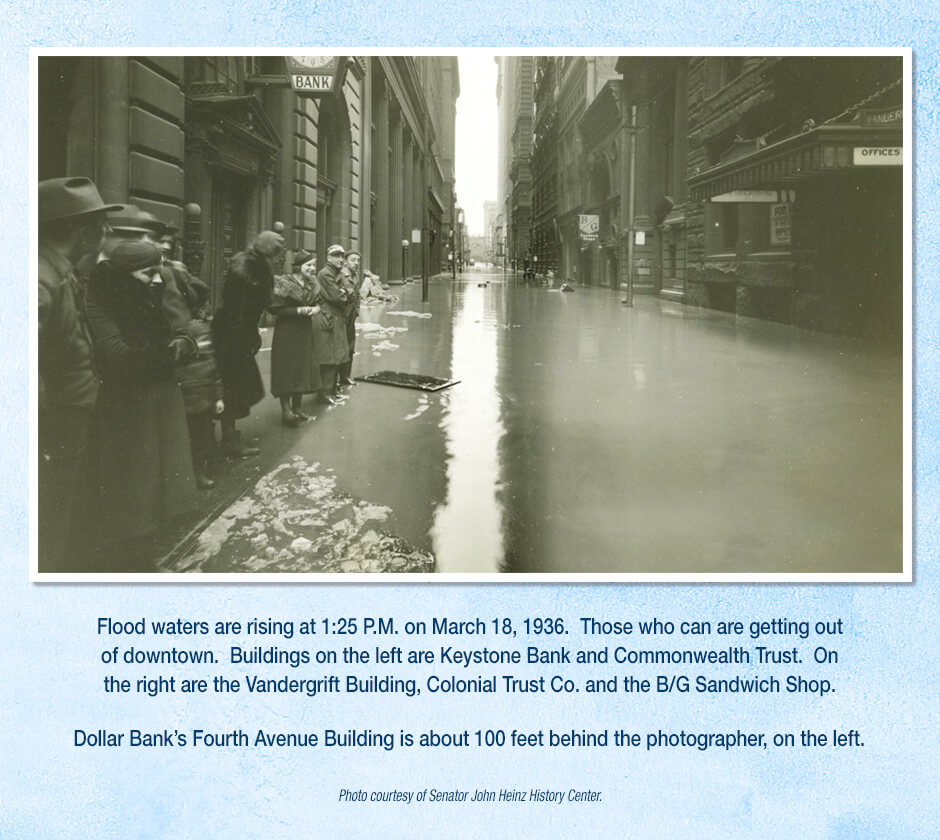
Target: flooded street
[583,436]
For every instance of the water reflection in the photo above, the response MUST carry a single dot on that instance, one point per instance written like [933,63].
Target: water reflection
[468,527]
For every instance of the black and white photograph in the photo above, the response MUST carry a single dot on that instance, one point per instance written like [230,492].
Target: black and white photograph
[628,316]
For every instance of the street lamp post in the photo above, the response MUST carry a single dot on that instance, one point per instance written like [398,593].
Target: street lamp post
[404,258]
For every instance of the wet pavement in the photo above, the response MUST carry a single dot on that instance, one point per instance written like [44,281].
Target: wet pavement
[582,436]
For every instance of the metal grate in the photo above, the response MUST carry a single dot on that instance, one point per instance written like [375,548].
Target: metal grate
[408,380]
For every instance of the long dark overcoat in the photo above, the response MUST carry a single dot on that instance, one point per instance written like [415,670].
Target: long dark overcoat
[329,327]
[141,467]
[294,365]
[236,337]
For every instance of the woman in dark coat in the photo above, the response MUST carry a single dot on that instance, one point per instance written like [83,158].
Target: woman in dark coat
[294,368]
[142,472]
[329,327]
[247,292]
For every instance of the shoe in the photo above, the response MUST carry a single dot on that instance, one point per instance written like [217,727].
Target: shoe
[292,420]
[234,448]
[203,482]
[301,415]
[346,381]
[323,399]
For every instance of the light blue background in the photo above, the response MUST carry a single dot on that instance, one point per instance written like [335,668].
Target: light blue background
[50,675]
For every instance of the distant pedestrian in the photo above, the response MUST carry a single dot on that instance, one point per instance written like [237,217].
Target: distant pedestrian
[141,472]
[331,345]
[249,285]
[294,367]
[353,280]
[71,227]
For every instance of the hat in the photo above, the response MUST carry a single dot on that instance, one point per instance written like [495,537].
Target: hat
[63,198]
[133,256]
[336,250]
[268,243]
[301,257]
[131,219]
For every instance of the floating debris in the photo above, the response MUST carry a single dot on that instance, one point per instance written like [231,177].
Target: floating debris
[408,314]
[408,380]
[295,519]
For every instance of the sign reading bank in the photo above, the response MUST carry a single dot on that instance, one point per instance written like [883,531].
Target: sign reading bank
[315,74]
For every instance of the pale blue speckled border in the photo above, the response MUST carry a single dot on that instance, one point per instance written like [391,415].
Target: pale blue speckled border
[47,653]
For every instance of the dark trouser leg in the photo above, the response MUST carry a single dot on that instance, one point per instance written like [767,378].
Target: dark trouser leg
[232,442]
[327,382]
[202,444]
[63,439]
[345,369]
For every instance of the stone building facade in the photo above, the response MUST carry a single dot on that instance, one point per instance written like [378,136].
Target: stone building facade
[767,186]
[368,163]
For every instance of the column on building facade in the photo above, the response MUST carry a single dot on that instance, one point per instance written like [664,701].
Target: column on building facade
[111,169]
[380,182]
[418,219]
[365,171]
[646,172]
[396,182]
[407,191]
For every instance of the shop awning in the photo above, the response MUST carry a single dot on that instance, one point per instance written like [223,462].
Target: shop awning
[820,151]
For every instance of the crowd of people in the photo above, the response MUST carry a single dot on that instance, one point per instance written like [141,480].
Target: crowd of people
[134,368]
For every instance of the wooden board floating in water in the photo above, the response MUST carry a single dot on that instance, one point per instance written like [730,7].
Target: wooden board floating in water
[408,380]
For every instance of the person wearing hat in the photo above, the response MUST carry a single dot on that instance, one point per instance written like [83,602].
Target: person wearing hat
[353,282]
[246,294]
[141,468]
[329,329]
[71,228]
[294,368]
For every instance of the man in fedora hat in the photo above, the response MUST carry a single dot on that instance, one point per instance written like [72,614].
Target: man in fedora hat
[72,226]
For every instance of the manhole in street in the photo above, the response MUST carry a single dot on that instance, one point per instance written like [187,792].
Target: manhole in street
[408,380]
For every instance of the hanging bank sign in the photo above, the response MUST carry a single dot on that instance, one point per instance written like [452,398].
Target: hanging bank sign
[315,74]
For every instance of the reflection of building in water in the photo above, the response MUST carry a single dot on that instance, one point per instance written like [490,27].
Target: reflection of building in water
[363,162]
[762,185]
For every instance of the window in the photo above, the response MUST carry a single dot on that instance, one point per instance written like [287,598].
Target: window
[722,70]
[743,229]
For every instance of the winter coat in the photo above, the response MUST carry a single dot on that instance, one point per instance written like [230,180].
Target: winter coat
[245,296]
[141,468]
[294,365]
[200,379]
[329,327]
[66,364]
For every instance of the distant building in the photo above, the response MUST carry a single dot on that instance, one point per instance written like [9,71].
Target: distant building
[768,186]
[515,95]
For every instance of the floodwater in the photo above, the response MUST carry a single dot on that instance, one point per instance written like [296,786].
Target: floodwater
[586,436]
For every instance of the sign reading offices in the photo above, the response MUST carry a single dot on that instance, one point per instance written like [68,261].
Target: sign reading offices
[315,74]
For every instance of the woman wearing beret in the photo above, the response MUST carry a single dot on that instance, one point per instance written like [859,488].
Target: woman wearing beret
[294,368]
[142,472]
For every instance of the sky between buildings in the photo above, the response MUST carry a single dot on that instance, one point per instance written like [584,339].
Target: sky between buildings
[476,140]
